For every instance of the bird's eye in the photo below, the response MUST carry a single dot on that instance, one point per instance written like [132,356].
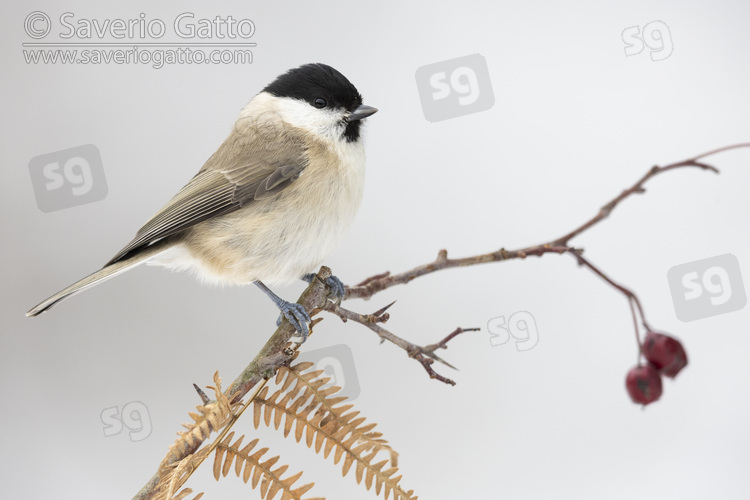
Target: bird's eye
[320,102]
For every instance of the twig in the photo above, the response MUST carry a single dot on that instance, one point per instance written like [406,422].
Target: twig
[425,355]
[625,291]
[633,300]
[379,282]
[443,344]
[374,284]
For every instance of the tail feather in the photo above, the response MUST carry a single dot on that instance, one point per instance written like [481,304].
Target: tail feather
[101,275]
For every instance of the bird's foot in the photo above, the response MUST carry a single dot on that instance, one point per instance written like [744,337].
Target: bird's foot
[296,315]
[338,289]
[293,312]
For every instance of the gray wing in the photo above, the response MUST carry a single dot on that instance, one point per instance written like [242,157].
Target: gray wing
[248,166]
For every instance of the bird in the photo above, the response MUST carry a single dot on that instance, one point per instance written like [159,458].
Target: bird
[271,204]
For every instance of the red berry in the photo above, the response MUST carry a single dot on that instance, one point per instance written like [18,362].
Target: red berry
[665,353]
[643,384]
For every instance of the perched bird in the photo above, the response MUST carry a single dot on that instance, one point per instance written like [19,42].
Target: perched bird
[271,203]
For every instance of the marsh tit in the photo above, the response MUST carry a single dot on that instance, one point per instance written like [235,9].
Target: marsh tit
[271,203]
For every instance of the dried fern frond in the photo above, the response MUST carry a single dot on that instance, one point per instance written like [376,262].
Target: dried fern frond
[303,398]
[184,493]
[210,417]
[270,479]
[172,477]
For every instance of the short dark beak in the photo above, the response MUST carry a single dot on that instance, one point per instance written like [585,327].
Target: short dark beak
[361,113]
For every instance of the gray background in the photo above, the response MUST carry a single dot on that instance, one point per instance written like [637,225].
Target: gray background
[574,122]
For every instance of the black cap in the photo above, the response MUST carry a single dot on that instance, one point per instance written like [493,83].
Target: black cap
[312,82]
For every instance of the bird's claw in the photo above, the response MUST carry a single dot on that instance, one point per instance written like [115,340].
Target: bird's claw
[338,289]
[297,316]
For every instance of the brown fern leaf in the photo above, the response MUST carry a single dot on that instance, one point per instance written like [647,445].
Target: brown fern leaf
[185,492]
[270,479]
[210,417]
[172,477]
[305,403]
[309,386]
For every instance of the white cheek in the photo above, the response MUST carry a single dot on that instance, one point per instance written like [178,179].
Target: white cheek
[321,122]
[324,122]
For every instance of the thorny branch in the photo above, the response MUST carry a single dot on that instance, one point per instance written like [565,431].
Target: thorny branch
[374,284]
[425,355]
[377,283]
[279,351]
